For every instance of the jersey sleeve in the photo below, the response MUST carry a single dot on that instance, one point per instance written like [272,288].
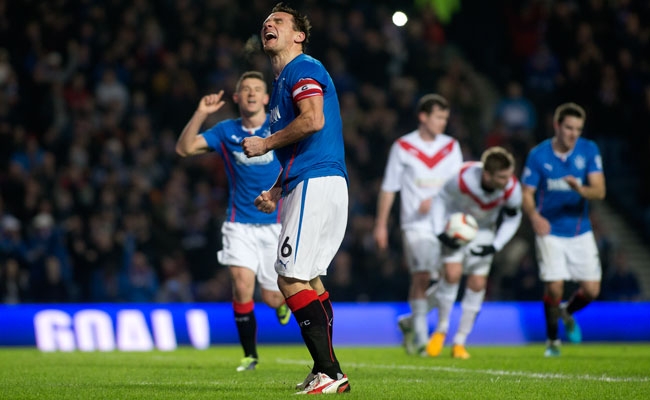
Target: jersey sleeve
[394,169]
[511,219]
[442,206]
[307,79]
[213,136]
[531,175]
[595,161]
[456,157]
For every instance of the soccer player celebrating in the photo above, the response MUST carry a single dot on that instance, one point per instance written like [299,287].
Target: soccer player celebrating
[249,236]
[560,177]
[307,136]
[485,190]
[418,165]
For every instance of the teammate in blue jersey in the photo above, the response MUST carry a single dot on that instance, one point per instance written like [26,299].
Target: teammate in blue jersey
[307,137]
[250,237]
[561,176]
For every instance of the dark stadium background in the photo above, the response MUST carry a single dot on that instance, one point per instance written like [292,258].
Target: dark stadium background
[93,95]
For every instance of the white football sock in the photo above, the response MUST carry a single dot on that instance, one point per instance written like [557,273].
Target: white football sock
[420,324]
[445,297]
[431,296]
[471,305]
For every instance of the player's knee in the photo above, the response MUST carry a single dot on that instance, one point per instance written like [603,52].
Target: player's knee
[591,294]
[272,299]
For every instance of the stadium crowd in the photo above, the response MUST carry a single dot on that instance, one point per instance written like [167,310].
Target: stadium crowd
[96,206]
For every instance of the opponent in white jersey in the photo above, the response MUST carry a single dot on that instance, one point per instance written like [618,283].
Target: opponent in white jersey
[418,165]
[561,175]
[486,190]
[307,136]
[250,236]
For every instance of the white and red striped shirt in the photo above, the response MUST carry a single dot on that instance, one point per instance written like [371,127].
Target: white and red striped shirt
[418,169]
[465,194]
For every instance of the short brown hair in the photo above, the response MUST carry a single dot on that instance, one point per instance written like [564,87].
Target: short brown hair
[247,75]
[300,22]
[428,101]
[569,110]
[497,158]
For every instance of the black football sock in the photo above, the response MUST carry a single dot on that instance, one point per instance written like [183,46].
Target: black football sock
[577,302]
[327,305]
[246,327]
[313,322]
[552,314]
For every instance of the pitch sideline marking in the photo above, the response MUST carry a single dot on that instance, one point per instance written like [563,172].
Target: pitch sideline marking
[532,375]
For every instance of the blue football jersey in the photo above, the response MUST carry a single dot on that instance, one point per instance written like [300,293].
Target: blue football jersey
[565,209]
[247,177]
[322,153]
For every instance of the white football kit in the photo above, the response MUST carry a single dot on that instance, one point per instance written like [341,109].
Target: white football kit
[252,246]
[314,216]
[418,169]
[464,193]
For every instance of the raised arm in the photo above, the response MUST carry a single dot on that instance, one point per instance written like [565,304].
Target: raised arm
[190,142]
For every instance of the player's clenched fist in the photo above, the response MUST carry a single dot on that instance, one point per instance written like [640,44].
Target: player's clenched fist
[267,200]
[254,146]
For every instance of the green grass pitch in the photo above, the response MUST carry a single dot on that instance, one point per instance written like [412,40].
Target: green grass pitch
[587,371]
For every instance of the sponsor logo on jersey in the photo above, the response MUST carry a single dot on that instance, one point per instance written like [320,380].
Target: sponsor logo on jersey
[241,158]
[429,182]
[560,185]
[283,264]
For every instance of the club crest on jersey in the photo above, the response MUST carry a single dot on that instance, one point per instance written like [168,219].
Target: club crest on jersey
[274,115]
[580,162]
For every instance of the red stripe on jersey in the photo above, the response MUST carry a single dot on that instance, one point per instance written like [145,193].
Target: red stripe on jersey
[484,206]
[226,158]
[291,160]
[306,88]
[510,189]
[428,161]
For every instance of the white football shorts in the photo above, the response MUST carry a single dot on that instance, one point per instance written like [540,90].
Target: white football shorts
[563,259]
[472,264]
[314,217]
[251,246]
[422,252]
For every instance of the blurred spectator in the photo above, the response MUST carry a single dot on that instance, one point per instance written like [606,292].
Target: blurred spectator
[515,111]
[621,284]
[176,283]
[141,281]
[46,240]
[340,280]
[52,289]
[12,244]
[14,282]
